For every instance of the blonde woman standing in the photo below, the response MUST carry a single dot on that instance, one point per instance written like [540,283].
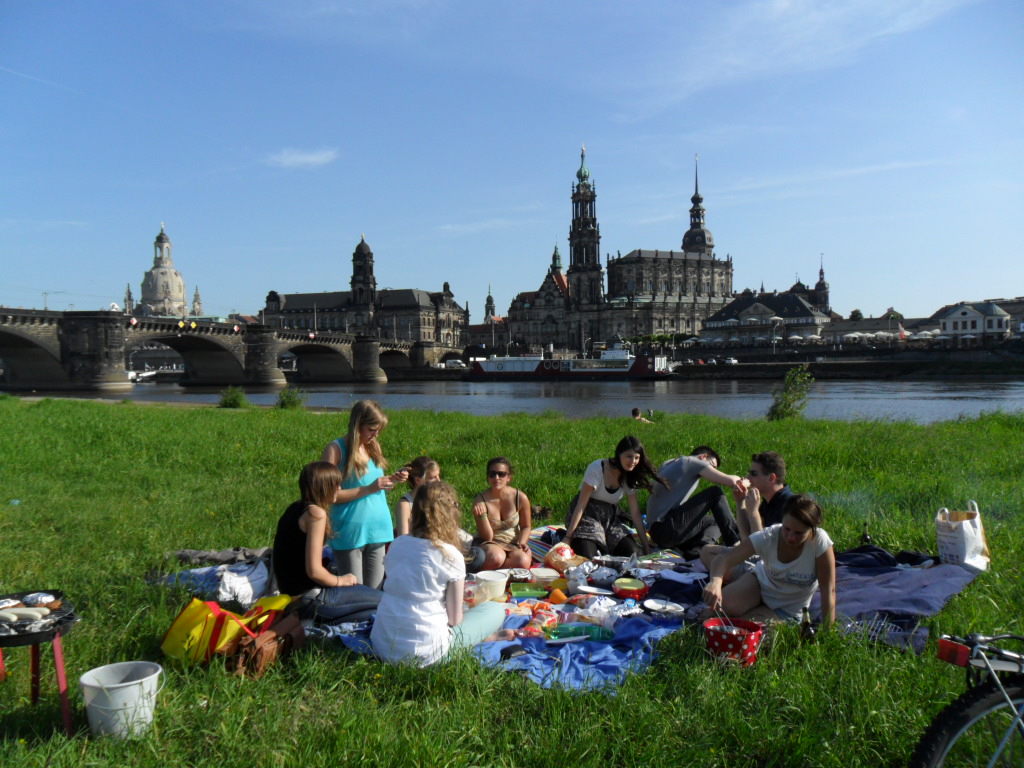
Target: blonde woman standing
[360,517]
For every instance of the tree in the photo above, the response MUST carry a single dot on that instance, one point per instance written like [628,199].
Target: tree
[856,315]
[788,401]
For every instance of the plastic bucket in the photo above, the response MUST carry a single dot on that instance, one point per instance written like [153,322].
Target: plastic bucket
[120,698]
[734,639]
[492,584]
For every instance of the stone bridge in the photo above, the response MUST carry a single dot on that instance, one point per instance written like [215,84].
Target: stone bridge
[45,350]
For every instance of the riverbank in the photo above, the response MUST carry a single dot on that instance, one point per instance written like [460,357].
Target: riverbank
[103,491]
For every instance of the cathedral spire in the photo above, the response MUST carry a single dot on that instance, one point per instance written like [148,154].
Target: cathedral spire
[583,174]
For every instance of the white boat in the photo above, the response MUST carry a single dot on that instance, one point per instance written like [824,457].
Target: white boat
[615,363]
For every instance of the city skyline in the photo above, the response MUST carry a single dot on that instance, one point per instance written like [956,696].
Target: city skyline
[880,137]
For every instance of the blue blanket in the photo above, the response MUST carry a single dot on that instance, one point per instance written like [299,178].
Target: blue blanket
[582,666]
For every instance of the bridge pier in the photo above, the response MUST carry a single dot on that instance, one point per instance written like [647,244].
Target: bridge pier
[92,351]
[261,357]
[366,360]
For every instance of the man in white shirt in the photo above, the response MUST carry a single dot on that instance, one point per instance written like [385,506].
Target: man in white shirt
[677,518]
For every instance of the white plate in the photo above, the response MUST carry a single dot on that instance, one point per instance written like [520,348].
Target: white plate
[657,605]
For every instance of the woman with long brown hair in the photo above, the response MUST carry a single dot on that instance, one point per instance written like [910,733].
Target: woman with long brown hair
[360,516]
[593,526]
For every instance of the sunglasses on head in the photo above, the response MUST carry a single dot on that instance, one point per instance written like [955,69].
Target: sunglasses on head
[496,473]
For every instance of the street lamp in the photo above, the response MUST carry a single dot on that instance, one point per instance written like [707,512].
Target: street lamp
[588,339]
[775,320]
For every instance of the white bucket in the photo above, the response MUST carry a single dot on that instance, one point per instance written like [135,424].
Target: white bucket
[120,698]
[493,584]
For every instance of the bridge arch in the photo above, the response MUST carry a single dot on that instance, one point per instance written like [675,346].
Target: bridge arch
[30,363]
[395,360]
[206,359]
[319,362]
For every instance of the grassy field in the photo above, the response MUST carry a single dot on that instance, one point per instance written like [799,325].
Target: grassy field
[94,494]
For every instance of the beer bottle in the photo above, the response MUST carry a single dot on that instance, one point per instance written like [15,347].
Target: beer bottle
[865,538]
[807,630]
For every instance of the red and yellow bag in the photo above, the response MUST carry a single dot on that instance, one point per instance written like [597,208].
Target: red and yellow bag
[204,629]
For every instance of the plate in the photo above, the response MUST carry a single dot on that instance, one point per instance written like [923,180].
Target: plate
[666,607]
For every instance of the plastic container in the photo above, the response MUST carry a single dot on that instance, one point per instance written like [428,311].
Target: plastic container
[630,588]
[734,639]
[492,585]
[527,590]
[545,576]
[120,698]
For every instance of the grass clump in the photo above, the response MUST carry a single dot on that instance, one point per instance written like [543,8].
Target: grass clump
[233,397]
[789,400]
[291,398]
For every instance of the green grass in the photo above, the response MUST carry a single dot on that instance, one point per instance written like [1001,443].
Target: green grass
[104,491]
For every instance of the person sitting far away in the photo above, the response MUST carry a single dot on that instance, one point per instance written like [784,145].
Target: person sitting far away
[420,619]
[796,560]
[640,417]
[298,553]
[503,519]
[762,504]
[593,525]
[678,519]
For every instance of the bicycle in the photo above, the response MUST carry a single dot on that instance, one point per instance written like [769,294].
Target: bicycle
[985,725]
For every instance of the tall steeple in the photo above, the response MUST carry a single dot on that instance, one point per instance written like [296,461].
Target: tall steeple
[698,238]
[586,276]
[489,306]
[556,260]
[197,304]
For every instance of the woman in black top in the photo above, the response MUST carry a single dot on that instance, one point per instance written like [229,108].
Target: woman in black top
[298,550]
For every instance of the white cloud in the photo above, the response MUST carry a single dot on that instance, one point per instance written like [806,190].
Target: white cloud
[298,158]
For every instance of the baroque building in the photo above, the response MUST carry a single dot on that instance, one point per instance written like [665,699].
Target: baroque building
[163,288]
[648,291]
[404,314]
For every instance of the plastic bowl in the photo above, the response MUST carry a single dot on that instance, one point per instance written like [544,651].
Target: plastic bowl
[492,584]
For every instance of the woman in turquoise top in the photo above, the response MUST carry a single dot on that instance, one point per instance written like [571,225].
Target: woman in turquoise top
[361,518]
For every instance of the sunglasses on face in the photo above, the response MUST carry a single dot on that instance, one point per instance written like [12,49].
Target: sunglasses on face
[496,473]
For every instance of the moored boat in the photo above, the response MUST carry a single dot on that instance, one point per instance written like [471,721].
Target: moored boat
[615,363]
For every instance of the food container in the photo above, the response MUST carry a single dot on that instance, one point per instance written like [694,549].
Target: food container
[492,585]
[544,576]
[630,588]
[527,590]
[520,576]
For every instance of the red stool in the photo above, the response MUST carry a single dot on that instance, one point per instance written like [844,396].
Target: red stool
[35,639]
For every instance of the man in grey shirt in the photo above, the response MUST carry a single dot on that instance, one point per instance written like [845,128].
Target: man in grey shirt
[676,518]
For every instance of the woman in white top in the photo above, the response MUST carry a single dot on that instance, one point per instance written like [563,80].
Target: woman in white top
[420,618]
[796,560]
[593,525]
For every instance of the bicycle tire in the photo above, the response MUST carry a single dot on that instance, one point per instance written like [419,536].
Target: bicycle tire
[967,732]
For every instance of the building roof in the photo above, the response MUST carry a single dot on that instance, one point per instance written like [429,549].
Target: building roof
[785,305]
[639,254]
[305,302]
[985,308]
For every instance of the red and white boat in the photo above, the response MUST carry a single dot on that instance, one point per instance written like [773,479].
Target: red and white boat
[615,364]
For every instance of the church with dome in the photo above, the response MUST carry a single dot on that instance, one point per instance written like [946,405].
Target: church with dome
[163,287]
[644,292]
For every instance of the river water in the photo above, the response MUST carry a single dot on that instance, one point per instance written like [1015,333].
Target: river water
[917,401]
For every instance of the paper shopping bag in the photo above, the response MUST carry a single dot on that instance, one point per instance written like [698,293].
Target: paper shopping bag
[961,538]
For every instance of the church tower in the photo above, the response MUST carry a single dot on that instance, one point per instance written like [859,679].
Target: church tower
[698,237]
[585,274]
[364,284]
[197,304]
[489,307]
[821,290]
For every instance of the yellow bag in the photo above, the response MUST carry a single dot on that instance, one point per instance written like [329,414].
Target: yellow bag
[203,628]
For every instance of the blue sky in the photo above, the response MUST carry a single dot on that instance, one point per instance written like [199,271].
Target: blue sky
[269,136]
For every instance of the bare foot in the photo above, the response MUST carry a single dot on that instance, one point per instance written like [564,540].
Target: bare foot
[501,634]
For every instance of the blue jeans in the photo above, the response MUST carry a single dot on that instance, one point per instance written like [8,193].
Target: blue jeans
[343,604]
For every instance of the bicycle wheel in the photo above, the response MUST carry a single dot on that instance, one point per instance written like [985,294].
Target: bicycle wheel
[976,730]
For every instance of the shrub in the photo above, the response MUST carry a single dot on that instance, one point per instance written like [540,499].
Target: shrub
[291,398]
[788,401]
[233,397]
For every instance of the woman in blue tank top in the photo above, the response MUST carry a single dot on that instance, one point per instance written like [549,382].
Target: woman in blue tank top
[361,518]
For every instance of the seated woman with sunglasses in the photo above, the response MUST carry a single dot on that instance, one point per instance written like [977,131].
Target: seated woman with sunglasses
[503,522]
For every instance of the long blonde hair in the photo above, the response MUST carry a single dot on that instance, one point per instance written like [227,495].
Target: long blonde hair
[435,514]
[365,413]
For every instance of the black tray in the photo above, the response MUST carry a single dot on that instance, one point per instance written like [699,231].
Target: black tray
[59,622]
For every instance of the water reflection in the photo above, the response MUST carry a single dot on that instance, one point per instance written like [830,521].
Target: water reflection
[919,401]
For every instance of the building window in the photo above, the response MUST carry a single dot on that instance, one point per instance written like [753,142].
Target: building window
[989,325]
[974,325]
[955,324]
